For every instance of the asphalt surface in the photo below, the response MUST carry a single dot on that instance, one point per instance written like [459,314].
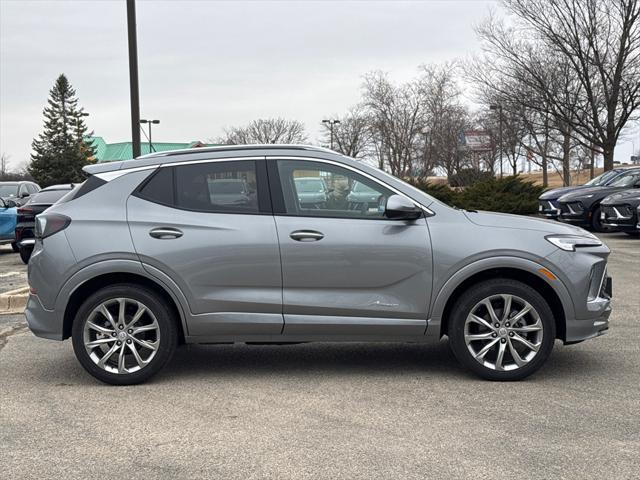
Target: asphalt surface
[330,410]
[13,273]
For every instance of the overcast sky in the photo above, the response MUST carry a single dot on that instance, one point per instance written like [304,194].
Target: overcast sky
[206,65]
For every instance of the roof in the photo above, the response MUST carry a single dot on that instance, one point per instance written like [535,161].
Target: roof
[225,148]
[113,152]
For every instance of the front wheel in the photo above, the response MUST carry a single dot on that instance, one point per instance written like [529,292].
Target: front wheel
[596,222]
[124,334]
[502,329]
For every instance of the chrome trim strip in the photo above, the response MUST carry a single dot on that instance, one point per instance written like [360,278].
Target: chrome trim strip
[113,174]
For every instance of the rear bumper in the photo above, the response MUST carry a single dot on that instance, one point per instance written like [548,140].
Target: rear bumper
[42,322]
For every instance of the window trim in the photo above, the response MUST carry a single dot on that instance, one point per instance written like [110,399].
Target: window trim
[277,195]
[262,185]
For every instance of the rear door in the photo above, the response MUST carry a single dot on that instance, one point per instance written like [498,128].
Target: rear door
[208,226]
[347,270]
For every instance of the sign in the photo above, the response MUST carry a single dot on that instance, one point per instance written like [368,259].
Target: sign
[477,140]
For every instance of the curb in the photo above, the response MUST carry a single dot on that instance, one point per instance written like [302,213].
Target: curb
[14,301]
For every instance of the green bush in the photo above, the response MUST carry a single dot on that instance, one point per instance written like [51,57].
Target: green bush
[469,176]
[506,195]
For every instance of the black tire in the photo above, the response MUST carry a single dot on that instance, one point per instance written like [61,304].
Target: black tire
[25,254]
[15,247]
[596,223]
[471,298]
[166,326]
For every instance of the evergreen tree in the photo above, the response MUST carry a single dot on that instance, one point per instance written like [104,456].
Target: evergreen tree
[61,150]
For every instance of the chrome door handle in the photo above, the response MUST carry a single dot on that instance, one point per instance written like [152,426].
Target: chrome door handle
[306,235]
[165,233]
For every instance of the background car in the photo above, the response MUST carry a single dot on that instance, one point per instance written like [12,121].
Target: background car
[363,197]
[312,191]
[582,208]
[548,201]
[19,192]
[620,211]
[229,191]
[8,222]
[37,204]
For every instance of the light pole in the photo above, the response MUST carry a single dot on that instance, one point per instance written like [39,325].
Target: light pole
[499,108]
[331,123]
[151,149]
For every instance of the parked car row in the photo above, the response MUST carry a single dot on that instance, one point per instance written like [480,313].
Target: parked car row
[610,202]
[20,202]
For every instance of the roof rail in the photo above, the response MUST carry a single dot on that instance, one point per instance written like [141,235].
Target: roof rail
[225,148]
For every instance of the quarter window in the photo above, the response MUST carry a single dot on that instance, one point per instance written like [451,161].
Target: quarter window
[319,189]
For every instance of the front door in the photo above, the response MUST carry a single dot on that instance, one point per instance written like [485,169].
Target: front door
[209,227]
[347,270]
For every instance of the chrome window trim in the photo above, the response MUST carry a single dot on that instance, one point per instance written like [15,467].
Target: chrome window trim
[113,174]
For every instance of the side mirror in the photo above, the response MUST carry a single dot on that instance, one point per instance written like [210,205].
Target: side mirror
[401,208]
[8,203]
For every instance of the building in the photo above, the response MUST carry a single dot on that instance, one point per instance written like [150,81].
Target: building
[113,152]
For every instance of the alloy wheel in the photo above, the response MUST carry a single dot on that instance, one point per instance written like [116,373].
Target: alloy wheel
[503,332]
[121,335]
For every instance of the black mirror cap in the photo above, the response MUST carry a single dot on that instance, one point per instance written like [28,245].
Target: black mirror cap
[401,208]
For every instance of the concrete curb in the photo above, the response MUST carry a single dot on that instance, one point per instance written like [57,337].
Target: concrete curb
[14,301]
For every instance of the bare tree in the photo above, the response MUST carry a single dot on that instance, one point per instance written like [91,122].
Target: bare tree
[4,159]
[265,131]
[600,39]
[352,136]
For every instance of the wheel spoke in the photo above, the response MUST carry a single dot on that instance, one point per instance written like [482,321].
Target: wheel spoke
[500,357]
[121,306]
[478,336]
[138,315]
[526,342]
[107,314]
[507,307]
[536,327]
[108,355]
[99,341]
[121,366]
[150,345]
[527,308]
[134,350]
[514,353]
[145,328]
[492,312]
[481,321]
[481,354]
[100,329]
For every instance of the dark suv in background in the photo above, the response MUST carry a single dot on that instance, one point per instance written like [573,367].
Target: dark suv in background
[582,207]
[620,211]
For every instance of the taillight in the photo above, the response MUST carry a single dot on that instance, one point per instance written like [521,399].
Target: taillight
[49,223]
[25,210]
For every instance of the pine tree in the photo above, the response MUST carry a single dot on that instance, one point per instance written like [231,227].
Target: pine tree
[61,150]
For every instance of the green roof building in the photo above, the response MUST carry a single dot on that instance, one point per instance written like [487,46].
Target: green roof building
[113,152]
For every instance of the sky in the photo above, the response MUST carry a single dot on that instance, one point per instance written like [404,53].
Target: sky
[207,65]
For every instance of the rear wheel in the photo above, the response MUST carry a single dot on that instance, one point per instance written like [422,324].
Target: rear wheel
[15,247]
[502,329]
[124,334]
[25,254]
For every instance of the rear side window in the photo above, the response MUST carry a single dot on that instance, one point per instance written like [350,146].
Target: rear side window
[159,188]
[89,185]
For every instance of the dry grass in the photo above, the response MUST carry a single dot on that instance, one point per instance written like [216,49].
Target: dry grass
[578,177]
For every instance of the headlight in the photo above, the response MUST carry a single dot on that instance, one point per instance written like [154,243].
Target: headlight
[587,196]
[569,243]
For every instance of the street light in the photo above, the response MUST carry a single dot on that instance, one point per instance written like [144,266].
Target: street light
[151,149]
[499,108]
[331,123]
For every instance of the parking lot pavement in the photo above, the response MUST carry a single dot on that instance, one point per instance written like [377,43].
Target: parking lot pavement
[330,410]
[13,273]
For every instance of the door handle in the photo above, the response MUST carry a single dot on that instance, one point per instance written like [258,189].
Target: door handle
[306,235]
[165,233]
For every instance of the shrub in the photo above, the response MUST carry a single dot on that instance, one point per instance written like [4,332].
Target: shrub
[441,191]
[469,176]
[508,195]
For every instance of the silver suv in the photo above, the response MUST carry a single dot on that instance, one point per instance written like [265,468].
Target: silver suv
[147,254]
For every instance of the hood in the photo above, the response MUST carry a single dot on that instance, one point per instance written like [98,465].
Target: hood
[631,197]
[595,192]
[520,222]
[558,192]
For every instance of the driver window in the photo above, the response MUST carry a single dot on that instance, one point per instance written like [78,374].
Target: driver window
[325,190]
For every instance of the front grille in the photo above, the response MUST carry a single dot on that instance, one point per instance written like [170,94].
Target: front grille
[571,208]
[548,207]
[618,214]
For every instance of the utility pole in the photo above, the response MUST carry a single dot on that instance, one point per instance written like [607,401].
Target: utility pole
[133,78]
[143,121]
[499,108]
[331,123]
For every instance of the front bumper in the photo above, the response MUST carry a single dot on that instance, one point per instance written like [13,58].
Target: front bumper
[579,330]
[619,217]
[574,214]
[548,209]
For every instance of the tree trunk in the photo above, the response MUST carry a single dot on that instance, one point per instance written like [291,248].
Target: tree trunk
[545,173]
[607,153]
[566,158]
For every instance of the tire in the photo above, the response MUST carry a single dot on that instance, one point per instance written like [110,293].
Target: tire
[157,330]
[462,327]
[25,254]
[596,223]
[15,247]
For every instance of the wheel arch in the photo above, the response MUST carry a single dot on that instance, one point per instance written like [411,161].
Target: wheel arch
[557,296]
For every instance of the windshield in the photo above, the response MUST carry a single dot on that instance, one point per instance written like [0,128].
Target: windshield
[603,179]
[49,196]
[225,186]
[309,186]
[9,190]
[626,179]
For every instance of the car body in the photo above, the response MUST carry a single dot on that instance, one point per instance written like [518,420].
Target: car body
[18,191]
[8,217]
[311,191]
[619,211]
[127,254]
[548,202]
[582,208]
[38,203]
